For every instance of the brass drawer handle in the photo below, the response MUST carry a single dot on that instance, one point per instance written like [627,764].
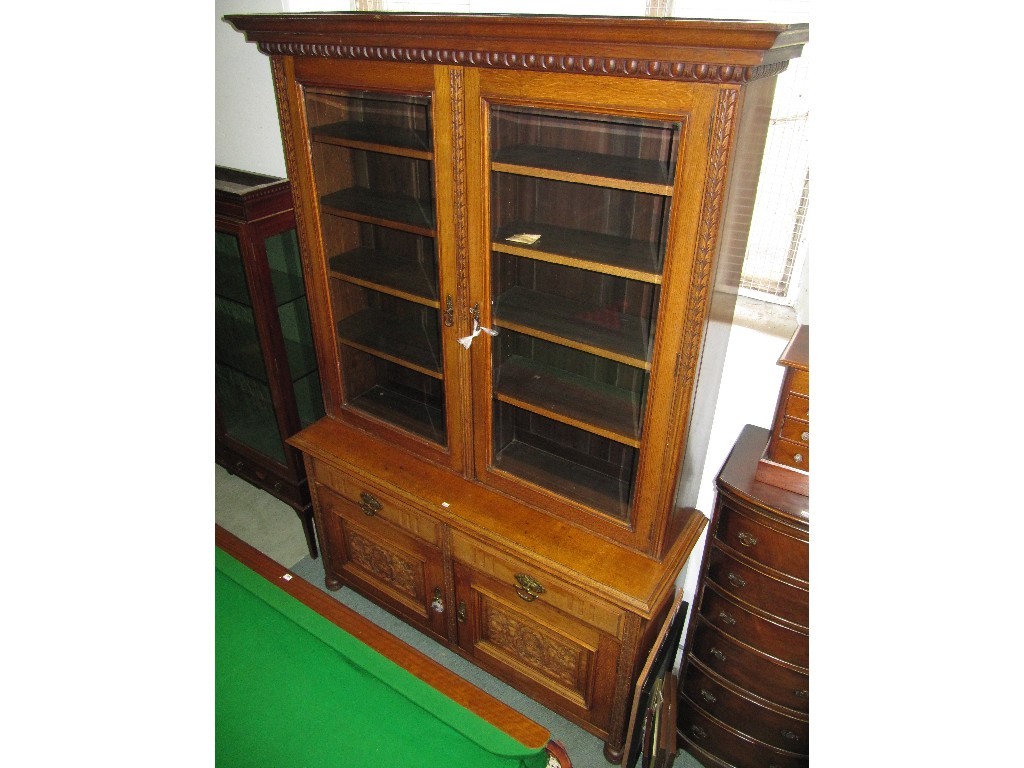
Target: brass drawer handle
[708,696]
[790,735]
[798,458]
[369,504]
[736,581]
[726,618]
[528,588]
[746,539]
[717,654]
[698,731]
[805,436]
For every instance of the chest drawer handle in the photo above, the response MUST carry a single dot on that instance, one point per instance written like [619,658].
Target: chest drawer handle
[708,696]
[736,581]
[369,504]
[699,732]
[726,618]
[717,654]
[528,588]
[746,539]
[798,458]
[801,694]
[805,436]
[790,735]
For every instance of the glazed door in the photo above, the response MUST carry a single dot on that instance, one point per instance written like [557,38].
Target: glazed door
[581,222]
[379,153]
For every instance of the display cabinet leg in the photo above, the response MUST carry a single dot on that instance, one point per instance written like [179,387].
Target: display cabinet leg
[306,518]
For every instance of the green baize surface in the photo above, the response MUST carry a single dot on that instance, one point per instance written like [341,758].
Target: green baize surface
[295,691]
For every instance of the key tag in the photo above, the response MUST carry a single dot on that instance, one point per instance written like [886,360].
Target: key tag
[466,341]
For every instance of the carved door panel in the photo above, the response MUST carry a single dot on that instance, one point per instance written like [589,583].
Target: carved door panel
[403,573]
[557,659]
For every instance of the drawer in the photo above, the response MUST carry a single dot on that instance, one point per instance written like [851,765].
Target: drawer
[535,585]
[700,729]
[373,501]
[768,546]
[798,407]
[755,631]
[795,431]
[748,669]
[702,690]
[756,588]
[798,382]
[794,455]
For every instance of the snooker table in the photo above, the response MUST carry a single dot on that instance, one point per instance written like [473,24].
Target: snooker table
[304,681]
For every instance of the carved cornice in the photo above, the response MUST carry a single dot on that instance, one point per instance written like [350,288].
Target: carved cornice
[678,71]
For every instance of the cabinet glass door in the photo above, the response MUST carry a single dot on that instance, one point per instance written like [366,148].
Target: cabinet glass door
[289,290]
[373,167]
[579,213]
[244,401]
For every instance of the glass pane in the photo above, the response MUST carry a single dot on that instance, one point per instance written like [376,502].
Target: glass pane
[247,412]
[580,205]
[572,462]
[242,389]
[373,165]
[293,315]
[229,274]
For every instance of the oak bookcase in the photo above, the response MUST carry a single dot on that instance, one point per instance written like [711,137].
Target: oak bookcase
[522,237]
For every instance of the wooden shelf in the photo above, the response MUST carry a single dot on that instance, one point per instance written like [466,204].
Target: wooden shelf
[375,137]
[565,477]
[386,272]
[633,174]
[409,412]
[403,212]
[394,337]
[608,254]
[570,399]
[613,335]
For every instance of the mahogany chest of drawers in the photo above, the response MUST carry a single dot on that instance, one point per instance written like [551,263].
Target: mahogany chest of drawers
[743,700]
[787,457]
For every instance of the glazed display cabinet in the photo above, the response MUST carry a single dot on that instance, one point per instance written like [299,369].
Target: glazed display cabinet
[522,239]
[267,384]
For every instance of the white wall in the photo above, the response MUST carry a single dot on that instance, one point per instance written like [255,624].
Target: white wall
[248,135]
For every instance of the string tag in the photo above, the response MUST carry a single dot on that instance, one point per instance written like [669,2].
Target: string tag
[477,328]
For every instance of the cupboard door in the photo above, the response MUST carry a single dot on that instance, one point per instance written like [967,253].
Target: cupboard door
[576,242]
[516,634]
[373,162]
[367,549]
[380,184]
[245,404]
